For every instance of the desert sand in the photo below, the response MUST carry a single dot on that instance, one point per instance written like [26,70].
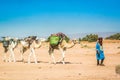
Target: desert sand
[80,64]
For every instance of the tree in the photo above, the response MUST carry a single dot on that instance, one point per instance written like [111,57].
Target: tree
[90,38]
[79,40]
[114,36]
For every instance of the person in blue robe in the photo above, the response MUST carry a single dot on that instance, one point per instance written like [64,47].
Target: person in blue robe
[100,52]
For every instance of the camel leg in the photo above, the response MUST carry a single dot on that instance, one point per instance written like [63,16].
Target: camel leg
[5,54]
[5,58]
[29,56]
[53,58]
[21,51]
[51,50]
[63,56]
[12,55]
[22,57]
[33,51]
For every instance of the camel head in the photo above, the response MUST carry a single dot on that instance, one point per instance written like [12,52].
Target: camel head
[75,41]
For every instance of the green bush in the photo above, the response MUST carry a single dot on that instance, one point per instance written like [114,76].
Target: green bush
[114,36]
[79,40]
[90,38]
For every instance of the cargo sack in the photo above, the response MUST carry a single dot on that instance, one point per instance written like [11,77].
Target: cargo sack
[54,40]
[5,43]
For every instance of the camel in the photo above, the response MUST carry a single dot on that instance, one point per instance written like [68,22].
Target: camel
[31,43]
[9,44]
[63,45]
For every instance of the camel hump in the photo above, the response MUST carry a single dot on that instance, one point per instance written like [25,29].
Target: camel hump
[63,36]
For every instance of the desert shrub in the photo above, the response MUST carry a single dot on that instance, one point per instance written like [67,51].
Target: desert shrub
[117,69]
[79,40]
[114,36]
[118,47]
[90,38]
[84,39]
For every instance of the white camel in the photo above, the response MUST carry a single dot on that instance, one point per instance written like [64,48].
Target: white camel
[62,46]
[9,44]
[30,43]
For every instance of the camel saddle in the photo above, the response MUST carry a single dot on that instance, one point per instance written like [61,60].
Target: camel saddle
[54,40]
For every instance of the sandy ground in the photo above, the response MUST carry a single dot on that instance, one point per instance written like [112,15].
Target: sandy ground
[80,64]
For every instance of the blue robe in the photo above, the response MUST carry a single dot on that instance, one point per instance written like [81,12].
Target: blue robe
[99,48]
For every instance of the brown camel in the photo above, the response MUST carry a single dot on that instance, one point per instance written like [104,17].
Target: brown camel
[63,45]
[30,43]
[9,44]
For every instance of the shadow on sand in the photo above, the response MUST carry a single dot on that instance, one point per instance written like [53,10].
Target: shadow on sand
[69,63]
[48,62]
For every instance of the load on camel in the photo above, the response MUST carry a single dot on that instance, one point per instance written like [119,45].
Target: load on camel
[60,42]
[31,43]
[9,44]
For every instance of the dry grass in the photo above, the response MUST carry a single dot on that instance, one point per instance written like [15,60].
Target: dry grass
[111,41]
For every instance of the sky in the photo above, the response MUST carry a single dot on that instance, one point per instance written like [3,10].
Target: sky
[44,17]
